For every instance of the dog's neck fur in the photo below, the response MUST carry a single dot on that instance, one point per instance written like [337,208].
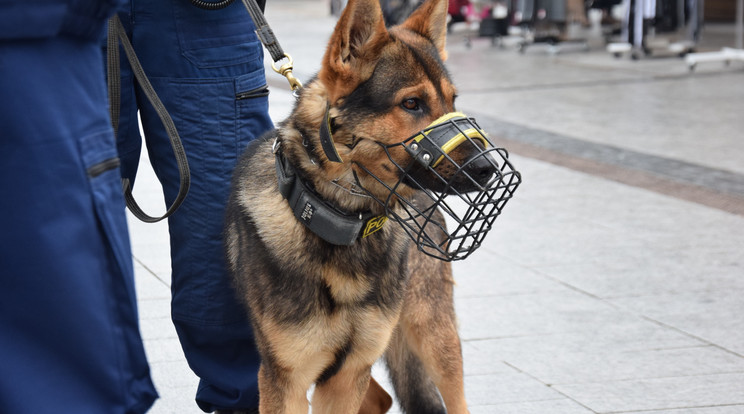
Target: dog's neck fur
[333,182]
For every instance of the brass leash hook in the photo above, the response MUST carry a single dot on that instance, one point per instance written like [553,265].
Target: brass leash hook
[286,71]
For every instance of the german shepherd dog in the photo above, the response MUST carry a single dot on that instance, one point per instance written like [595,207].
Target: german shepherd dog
[324,311]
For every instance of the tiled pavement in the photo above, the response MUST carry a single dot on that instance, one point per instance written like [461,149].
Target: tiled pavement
[614,281]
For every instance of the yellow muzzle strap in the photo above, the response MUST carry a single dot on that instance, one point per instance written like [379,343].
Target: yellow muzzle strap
[442,136]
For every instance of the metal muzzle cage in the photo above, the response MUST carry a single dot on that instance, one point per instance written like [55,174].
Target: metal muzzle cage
[462,183]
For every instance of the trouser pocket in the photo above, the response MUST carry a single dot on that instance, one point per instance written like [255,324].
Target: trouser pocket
[260,92]
[102,167]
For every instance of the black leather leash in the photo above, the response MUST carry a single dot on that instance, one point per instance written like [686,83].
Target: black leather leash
[116,34]
[271,43]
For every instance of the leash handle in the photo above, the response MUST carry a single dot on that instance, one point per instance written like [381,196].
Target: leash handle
[271,43]
[116,34]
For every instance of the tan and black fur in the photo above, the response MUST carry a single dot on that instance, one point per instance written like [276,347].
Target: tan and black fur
[323,314]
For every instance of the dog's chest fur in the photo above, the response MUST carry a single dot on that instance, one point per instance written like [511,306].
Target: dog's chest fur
[304,276]
[309,299]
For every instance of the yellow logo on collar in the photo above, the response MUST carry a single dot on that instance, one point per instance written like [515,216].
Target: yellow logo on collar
[374,224]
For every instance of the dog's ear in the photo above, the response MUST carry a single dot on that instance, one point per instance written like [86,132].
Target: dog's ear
[356,43]
[430,20]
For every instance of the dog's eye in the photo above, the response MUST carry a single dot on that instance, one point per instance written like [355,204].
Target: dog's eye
[411,104]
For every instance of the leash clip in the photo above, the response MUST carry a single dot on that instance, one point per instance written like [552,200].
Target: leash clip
[286,71]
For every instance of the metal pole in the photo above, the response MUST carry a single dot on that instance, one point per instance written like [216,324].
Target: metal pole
[740,24]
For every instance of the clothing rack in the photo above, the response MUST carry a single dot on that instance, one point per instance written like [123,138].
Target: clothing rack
[726,54]
[659,27]
[483,18]
[548,22]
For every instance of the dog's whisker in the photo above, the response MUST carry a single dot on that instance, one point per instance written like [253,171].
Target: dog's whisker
[352,188]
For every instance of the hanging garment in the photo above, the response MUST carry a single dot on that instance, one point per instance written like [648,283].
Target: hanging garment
[636,11]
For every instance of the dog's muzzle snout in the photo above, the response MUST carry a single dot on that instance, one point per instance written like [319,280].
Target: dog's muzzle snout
[456,170]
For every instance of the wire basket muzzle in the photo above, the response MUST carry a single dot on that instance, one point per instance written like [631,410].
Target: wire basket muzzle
[461,183]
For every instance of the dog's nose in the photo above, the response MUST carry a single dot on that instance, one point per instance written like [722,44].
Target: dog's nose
[481,168]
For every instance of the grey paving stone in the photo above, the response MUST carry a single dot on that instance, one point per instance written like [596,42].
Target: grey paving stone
[155,308]
[480,359]
[726,409]
[164,350]
[157,328]
[641,115]
[506,388]
[608,366]
[650,274]
[622,338]
[494,275]
[716,315]
[148,286]
[650,270]
[153,253]
[624,248]
[658,394]
[675,170]
[561,194]
[176,401]
[564,406]
[534,314]
[173,374]
[538,233]
[500,385]
[561,242]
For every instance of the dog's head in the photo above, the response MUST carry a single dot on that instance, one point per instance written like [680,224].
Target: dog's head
[384,86]
[389,124]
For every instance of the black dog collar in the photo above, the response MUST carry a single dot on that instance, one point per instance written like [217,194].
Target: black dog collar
[323,219]
[326,137]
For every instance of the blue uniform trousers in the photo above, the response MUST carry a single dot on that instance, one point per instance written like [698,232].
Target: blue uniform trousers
[69,337]
[207,68]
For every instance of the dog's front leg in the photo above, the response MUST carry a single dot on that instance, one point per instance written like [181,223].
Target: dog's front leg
[343,392]
[277,395]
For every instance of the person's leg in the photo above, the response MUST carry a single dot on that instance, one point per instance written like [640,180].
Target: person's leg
[68,320]
[207,68]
